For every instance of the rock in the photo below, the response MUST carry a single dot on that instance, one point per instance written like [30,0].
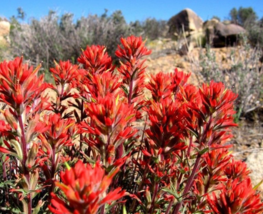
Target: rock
[208,29]
[219,34]
[186,21]
[254,162]
[4,32]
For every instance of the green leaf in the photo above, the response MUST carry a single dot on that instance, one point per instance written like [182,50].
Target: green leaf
[203,151]
[124,211]
[172,193]
[257,185]
[67,166]
[125,89]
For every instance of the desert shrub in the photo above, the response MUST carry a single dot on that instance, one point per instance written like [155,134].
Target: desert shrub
[243,74]
[243,16]
[59,38]
[150,28]
[99,146]
[255,34]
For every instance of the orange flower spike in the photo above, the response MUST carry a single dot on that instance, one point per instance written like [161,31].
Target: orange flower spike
[236,197]
[95,59]
[58,132]
[85,190]
[64,72]
[104,84]
[133,48]
[19,84]
[216,97]
[160,86]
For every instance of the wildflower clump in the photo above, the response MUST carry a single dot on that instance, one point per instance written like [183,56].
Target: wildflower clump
[101,146]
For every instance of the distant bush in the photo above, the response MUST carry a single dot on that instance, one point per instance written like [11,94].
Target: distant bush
[150,28]
[53,37]
[255,33]
[56,37]
[243,75]
[248,18]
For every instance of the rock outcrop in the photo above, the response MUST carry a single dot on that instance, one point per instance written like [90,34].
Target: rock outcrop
[189,26]
[187,21]
[4,32]
[219,34]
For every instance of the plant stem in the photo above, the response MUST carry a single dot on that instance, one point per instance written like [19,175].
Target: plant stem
[24,168]
[169,207]
[130,91]
[102,209]
[189,183]
[154,196]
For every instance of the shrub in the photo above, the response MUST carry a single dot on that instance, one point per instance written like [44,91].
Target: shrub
[100,147]
[242,75]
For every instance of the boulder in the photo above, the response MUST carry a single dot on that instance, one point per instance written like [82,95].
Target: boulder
[4,32]
[254,163]
[220,34]
[208,29]
[187,21]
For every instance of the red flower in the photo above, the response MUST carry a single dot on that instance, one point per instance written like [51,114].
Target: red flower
[110,125]
[19,84]
[104,84]
[133,79]
[64,72]
[59,133]
[217,98]
[96,60]
[132,50]
[132,67]
[236,197]
[167,127]
[160,86]
[5,128]
[179,79]
[237,169]
[85,189]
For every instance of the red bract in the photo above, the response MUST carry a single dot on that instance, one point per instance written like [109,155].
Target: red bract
[236,170]
[64,72]
[110,125]
[19,84]
[179,79]
[59,131]
[104,84]
[96,60]
[167,127]
[236,197]
[85,189]
[212,174]
[160,86]
[217,98]
[132,50]
[132,67]
[4,128]
[133,79]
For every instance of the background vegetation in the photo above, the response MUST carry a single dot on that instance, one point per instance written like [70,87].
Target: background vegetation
[53,38]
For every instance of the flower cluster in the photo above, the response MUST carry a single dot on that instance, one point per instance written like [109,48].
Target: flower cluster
[85,189]
[98,145]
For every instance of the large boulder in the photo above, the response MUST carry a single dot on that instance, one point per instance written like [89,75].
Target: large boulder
[220,34]
[4,32]
[186,21]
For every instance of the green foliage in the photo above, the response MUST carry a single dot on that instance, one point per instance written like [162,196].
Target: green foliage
[57,38]
[150,28]
[216,17]
[243,16]
[243,75]
[255,34]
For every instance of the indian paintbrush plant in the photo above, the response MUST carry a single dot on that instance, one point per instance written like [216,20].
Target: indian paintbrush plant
[108,140]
